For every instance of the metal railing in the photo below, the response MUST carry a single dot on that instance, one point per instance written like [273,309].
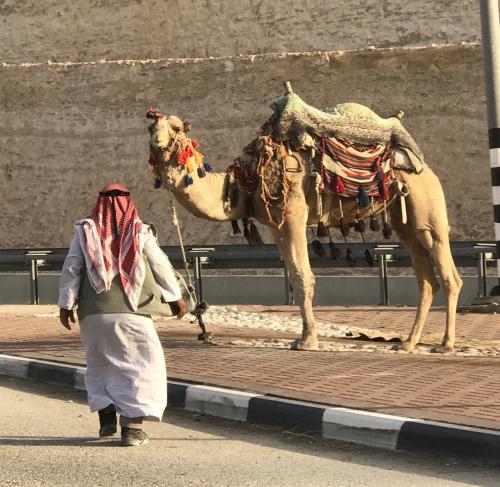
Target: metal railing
[466,254]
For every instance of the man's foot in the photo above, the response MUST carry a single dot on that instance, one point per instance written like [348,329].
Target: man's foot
[133,437]
[107,421]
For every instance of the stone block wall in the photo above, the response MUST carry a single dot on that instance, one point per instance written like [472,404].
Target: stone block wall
[67,129]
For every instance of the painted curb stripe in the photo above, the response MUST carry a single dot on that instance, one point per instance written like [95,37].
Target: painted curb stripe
[494,138]
[57,374]
[355,426]
[362,427]
[496,212]
[496,195]
[495,176]
[494,158]
[176,394]
[296,416]
[422,437]
[219,402]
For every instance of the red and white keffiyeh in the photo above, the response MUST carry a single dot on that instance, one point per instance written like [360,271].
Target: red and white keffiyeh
[112,241]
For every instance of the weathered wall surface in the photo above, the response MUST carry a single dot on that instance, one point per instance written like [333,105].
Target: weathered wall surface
[89,30]
[65,131]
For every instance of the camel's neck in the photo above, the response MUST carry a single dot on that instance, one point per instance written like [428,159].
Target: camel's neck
[204,198]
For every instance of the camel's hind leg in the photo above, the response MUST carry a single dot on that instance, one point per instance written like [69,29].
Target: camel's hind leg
[426,279]
[452,283]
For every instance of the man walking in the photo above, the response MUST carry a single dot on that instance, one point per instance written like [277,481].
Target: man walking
[117,276]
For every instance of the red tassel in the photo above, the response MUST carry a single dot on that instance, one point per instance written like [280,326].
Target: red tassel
[184,155]
[195,144]
[338,186]
[152,161]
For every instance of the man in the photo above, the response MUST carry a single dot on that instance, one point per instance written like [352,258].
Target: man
[117,275]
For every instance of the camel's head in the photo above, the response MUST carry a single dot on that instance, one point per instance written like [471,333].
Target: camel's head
[170,147]
[167,136]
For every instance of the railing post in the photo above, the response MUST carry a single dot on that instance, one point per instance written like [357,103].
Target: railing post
[198,276]
[384,289]
[200,257]
[481,275]
[34,281]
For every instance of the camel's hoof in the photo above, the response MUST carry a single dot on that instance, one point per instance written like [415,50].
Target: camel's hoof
[405,346]
[301,344]
[442,349]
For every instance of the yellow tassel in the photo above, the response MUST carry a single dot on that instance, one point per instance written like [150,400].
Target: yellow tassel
[198,158]
[191,165]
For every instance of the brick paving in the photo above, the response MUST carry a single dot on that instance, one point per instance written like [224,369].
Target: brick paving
[464,390]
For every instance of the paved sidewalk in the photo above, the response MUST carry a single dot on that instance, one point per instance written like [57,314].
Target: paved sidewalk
[462,390]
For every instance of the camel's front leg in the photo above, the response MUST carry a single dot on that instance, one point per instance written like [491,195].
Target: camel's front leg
[292,242]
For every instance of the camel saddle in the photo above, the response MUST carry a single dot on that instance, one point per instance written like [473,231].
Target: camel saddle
[351,122]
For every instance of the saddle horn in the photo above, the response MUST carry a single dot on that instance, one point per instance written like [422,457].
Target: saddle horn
[288,87]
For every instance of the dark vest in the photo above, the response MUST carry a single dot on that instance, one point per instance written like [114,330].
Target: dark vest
[115,300]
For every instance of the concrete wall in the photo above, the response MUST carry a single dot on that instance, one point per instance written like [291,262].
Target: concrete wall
[67,129]
[89,30]
[330,290]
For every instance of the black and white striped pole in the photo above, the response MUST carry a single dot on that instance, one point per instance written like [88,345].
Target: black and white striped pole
[490,28]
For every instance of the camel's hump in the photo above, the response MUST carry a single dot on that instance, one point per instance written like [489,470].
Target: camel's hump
[348,120]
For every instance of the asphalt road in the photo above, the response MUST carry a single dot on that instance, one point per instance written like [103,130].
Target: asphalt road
[48,438]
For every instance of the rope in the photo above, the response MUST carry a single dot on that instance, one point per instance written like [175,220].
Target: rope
[201,306]
[175,222]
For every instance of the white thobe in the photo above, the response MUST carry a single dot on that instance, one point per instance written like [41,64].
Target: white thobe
[125,361]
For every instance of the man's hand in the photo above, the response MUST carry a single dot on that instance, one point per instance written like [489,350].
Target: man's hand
[65,315]
[181,308]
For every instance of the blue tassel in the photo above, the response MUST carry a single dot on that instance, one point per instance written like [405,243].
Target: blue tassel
[157,183]
[188,180]
[207,167]
[363,199]
[201,172]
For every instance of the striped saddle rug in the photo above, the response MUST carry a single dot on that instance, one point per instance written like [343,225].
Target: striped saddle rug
[356,170]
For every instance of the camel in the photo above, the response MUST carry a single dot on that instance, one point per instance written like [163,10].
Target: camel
[296,200]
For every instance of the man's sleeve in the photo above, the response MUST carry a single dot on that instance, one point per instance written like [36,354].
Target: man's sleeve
[162,270]
[69,284]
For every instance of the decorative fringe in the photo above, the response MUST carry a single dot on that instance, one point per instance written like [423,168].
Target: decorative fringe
[360,225]
[387,230]
[335,252]
[386,227]
[349,257]
[157,183]
[369,258]
[374,225]
[321,230]
[344,227]
[207,167]
[363,199]
[236,230]
[188,180]
[317,247]
[255,235]
[338,185]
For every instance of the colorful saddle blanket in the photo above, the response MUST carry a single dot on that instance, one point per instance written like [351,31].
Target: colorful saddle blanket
[351,169]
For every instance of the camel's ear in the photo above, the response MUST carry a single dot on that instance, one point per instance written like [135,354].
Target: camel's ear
[187,126]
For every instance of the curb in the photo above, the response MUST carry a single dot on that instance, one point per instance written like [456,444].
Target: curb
[354,426]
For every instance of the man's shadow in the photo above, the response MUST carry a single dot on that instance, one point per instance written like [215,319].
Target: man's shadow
[82,441]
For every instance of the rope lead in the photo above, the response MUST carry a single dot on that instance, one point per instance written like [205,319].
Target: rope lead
[201,306]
